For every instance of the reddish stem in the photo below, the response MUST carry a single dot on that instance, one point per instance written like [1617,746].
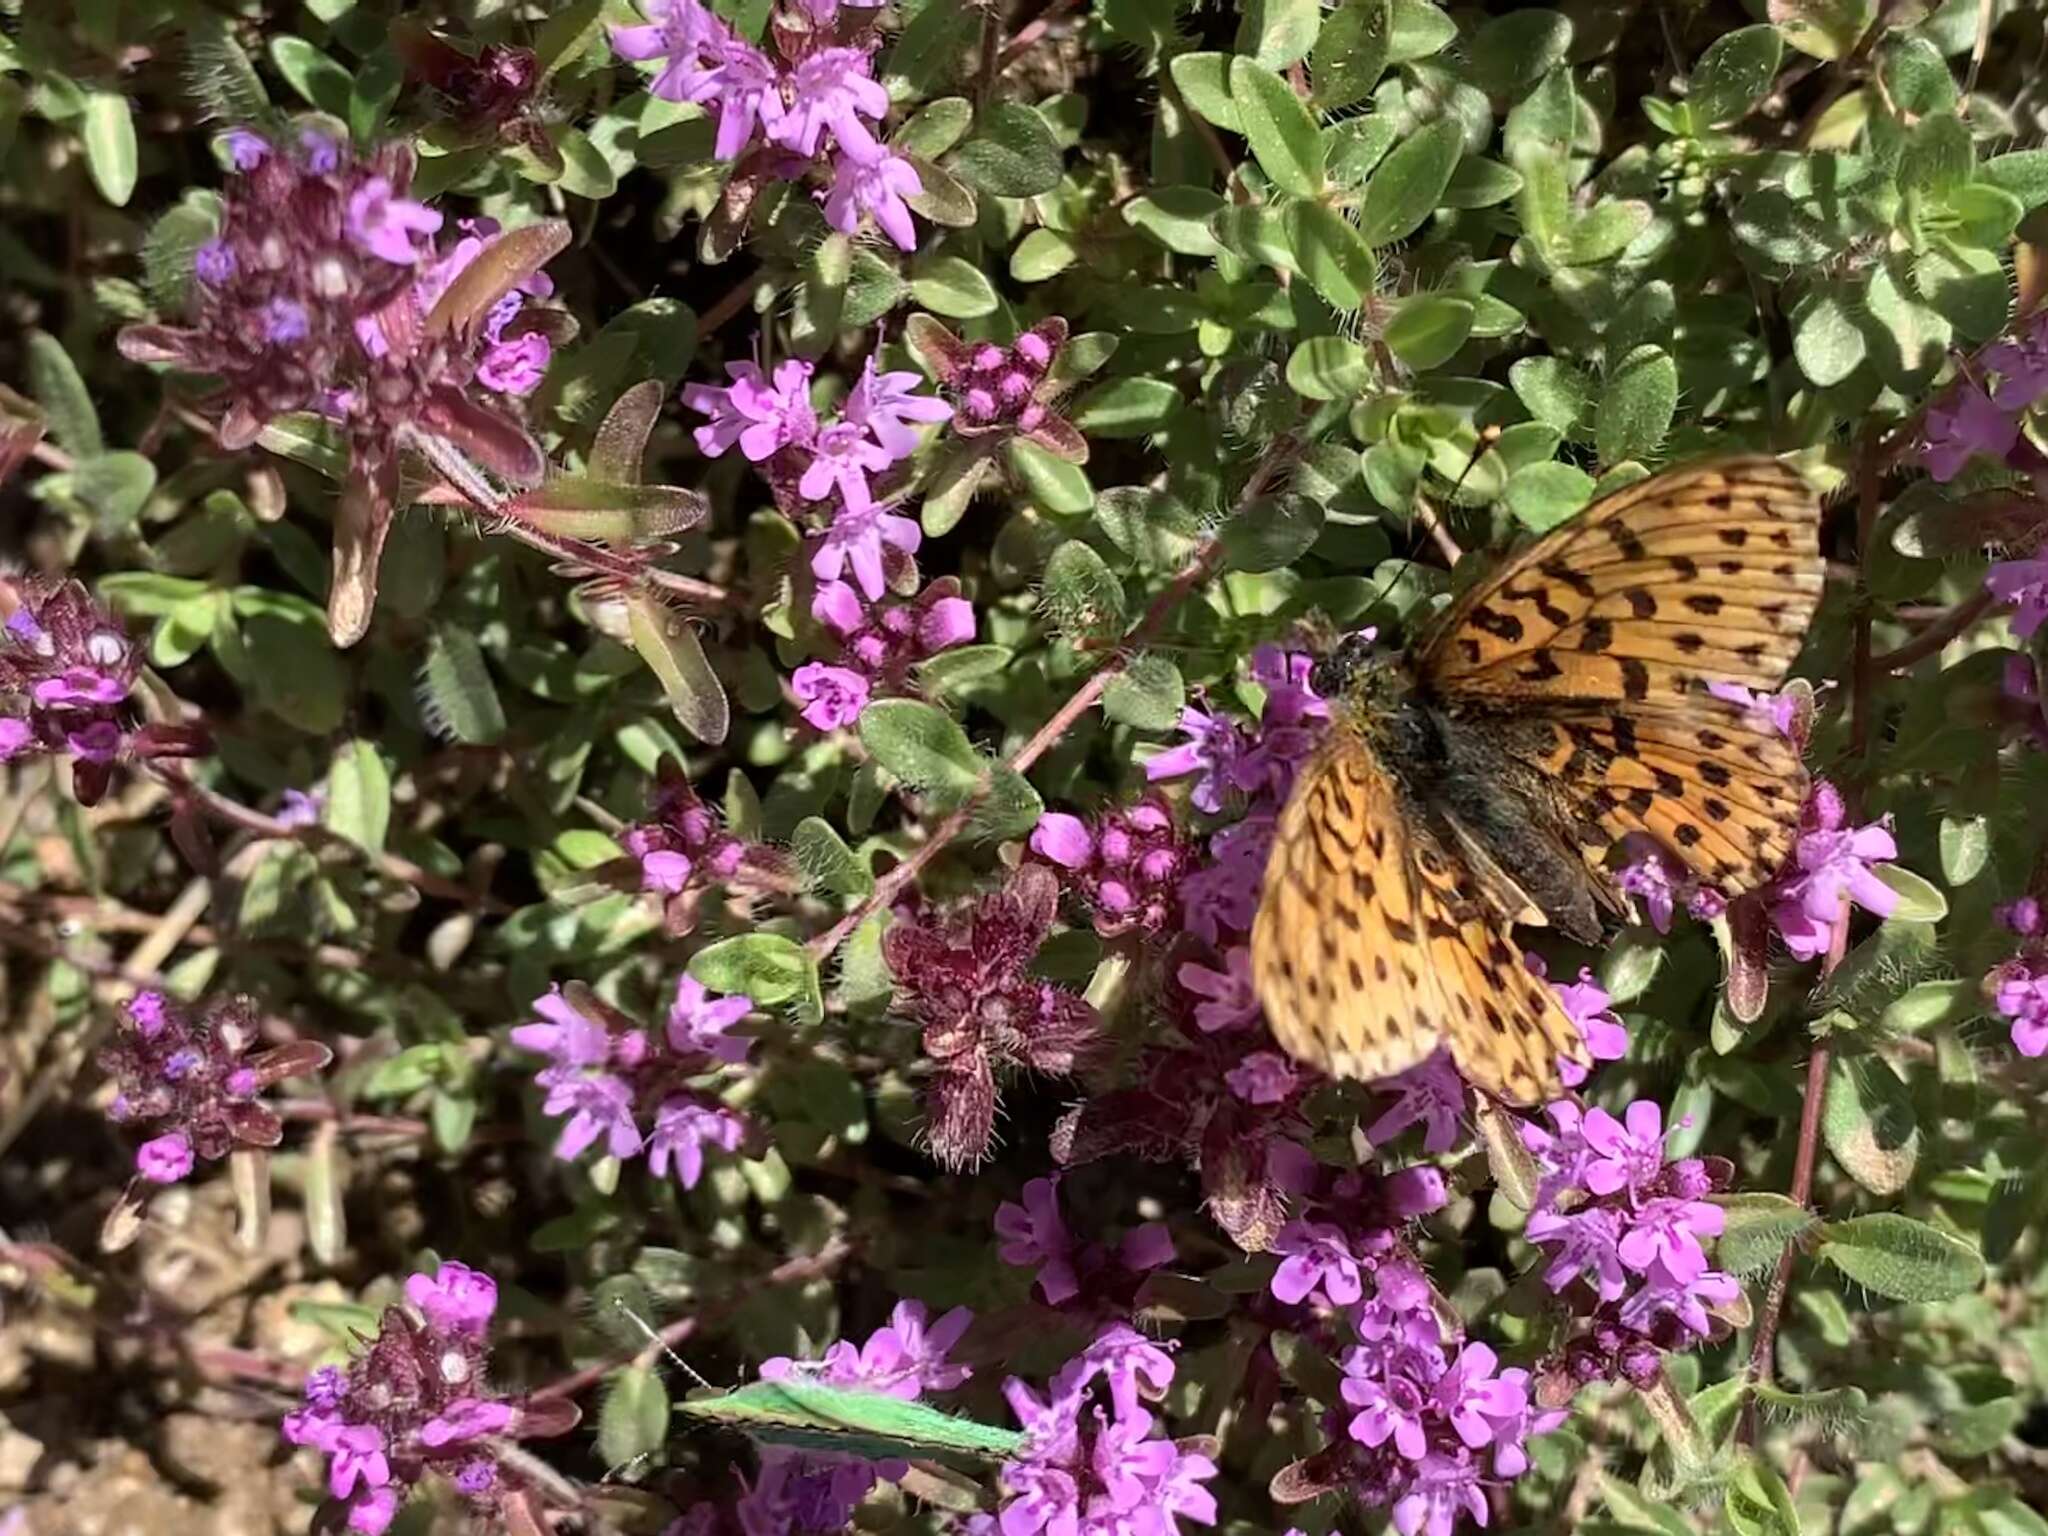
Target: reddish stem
[1198,570]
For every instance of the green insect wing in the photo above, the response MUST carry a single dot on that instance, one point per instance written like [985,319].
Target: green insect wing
[808,1415]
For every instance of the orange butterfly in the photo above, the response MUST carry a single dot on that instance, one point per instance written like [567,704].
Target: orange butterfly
[1480,780]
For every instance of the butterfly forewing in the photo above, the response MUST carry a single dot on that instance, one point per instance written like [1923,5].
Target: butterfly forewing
[1615,627]
[1337,951]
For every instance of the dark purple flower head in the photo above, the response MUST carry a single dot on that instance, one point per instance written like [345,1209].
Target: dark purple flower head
[966,982]
[190,1076]
[1125,865]
[325,291]
[418,1401]
[66,668]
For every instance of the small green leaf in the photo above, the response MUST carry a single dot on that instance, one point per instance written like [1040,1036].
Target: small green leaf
[934,128]
[108,130]
[1051,482]
[1178,218]
[1965,843]
[358,795]
[1543,495]
[1335,259]
[1148,694]
[1272,533]
[1351,53]
[1081,593]
[632,1426]
[56,385]
[1636,407]
[1733,75]
[1920,901]
[1555,393]
[827,862]
[1511,53]
[1756,1229]
[1129,407]
[668,643]
[1899,1257]
[763,966]
[1758,1502]
[1278,32]
[1148,525]
[1041,254]
[1328,368]
[1428,329]
[1409,184]
[299,679]
[1870,1125]
[1419,29]
[1282,135]
[1603,232]
[1012,154]
[457,697]
[922,746]
[2023,173]
[1825,338]
[952,286]
[1203,80]
[321,83]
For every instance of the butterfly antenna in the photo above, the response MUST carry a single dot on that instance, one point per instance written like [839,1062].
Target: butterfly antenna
[624,1309]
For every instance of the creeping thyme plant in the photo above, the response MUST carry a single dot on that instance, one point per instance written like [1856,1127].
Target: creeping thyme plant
[649,654]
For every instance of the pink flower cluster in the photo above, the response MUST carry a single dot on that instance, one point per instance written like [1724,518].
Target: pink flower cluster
[1096,1468]
[1125,865]
[189,1075]
[815,98]
[880,644]
[683,850]
[66,668]
[809,461]
[417,1402]
[2019,987]
[630,1088]
[1430,1418]
[1082,1276]
[1232,766]
[1621,1231]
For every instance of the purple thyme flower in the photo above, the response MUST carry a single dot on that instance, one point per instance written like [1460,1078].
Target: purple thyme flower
[1264,1077]
[190,1075]
[1831,865]
[1125,866]
[874,183]
[1230,1001]
[885,643]
[832,89]
[1963,424]
[2025,584]
[683,1128]
[698,1020]
[832,697]
[1430,1094]
[886,404]
[860,539]
[2020,993]
[761,414]
[417,1401]
[1319,1262]
[1213,750]
[1033,1233]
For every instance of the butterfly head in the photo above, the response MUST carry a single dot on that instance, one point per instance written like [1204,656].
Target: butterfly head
[1361,674]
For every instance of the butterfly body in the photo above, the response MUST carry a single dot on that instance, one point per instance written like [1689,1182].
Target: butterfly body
[1480,780]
